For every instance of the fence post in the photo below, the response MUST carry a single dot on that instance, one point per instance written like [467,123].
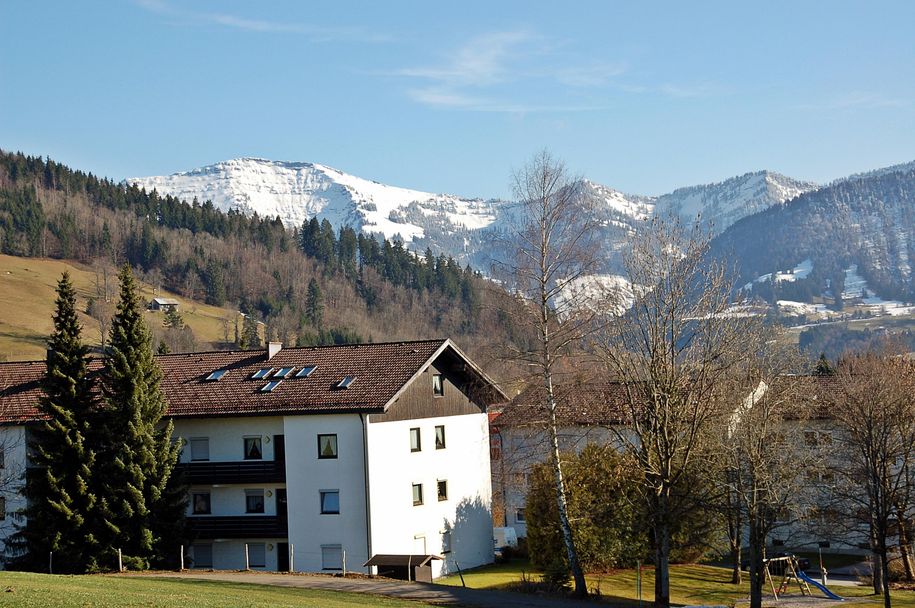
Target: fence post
[291,557]
[182,557]
[120,561]
[50,562]
[247,563]
[344,562]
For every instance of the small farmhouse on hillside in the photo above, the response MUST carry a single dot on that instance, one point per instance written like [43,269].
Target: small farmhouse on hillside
[163,304]
[316,459]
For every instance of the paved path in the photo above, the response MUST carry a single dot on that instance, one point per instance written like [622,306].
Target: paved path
[423,592]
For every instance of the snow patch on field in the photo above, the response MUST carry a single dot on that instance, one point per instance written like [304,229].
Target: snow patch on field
[801,271]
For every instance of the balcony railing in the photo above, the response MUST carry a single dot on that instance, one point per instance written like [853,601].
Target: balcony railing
[246,471]
[238,526]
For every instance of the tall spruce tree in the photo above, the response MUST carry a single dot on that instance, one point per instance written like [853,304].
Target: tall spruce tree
[143,506]
[314,305]
[61,499]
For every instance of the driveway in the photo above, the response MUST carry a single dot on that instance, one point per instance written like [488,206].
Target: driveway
[422,592]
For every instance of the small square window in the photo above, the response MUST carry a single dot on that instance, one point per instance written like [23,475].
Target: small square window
[327,446]
[519,516]
[201,503]
[257,555]
[440,437]
[417,494]
[415,442]
[203,556]
[200,448]
[446,541]
[331,557]
[442,489]
[438,387]
[253,448]
[254,501]
[330,502]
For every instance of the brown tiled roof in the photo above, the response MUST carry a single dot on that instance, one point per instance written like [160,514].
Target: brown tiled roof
[380,372]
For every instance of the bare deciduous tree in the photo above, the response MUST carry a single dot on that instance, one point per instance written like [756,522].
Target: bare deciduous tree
[553,249]
[675,349]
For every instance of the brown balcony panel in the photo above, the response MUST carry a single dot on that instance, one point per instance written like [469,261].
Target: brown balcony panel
[248,471]
[238,526]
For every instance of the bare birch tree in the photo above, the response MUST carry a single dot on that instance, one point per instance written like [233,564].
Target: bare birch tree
[675,349]
[553,250]
[874,409]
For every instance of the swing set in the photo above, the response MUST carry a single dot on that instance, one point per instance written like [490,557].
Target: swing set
[791,573]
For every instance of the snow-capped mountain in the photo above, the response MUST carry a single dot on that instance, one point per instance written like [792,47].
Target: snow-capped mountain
[465,228]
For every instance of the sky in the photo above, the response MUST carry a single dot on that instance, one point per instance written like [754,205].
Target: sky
[452,97]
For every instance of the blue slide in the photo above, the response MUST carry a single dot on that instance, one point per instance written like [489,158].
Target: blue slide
[803,576]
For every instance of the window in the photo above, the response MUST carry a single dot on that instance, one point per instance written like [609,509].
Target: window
[305,371]
[438,388]
[446,541]
[347,380]
[327,446]
[332,557]
[417,494]
[200,448]
[217,375]
[440,437]
[262,373]
[283,372]
[257,555]
[442,489]
[415,443]
[201,502]
[330,502]
[254,501]
[519,516]
[253,448]
[268,388]
[203,556]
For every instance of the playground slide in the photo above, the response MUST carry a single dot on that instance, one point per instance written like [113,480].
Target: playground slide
[803,576]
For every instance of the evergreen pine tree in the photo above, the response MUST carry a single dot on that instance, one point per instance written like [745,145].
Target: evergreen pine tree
[314,304]
[250,338]
[823,367]
[61,501]
[143,507]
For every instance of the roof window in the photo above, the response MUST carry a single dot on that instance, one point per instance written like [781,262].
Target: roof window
[262,373]
[268,388]
[306,371]
[283,372]
[347,380]
[217,375]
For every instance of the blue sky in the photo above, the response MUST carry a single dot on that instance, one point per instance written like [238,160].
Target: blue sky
[451,96]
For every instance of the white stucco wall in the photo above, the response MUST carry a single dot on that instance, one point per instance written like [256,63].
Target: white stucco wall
[226,435]
[400,527]
[307,475]
[12,480]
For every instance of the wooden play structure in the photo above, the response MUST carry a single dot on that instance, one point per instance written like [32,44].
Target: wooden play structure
[791,573]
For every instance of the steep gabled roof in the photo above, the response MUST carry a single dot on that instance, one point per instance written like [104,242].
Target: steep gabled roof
[379,371]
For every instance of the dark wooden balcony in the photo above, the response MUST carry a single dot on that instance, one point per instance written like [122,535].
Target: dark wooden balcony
[246,471]
[238,526]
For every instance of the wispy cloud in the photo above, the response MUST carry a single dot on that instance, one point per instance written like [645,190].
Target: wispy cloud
[863,99]
[316,33]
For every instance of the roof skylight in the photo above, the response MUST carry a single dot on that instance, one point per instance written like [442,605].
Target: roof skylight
[346,382]
[268,388]
[217,375]
[283,372]
[306,371]
[262,373]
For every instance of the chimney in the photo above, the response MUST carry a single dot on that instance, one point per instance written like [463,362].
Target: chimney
[273,348]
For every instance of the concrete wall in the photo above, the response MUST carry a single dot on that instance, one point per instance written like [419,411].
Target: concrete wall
[400,527]
[226,435]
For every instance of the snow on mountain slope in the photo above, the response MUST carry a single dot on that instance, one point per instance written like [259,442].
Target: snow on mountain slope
[720,205]
[297,192]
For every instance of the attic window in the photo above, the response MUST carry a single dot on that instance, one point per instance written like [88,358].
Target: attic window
[346,382]
[268,388]
[217,375]
[262,373]
[306,371]
[283,372]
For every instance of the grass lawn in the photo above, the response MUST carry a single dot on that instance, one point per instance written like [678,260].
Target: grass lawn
[689,584]
[47,591]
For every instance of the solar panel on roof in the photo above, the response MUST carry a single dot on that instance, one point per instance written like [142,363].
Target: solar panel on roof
[283,372]
[219,373]
[261,373]
[270,386]
[306,371]
[346,382]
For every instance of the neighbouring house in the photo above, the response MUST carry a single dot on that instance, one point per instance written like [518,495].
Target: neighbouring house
[319,459]
[163,304]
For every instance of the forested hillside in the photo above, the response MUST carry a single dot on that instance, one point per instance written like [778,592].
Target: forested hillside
[309,285]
